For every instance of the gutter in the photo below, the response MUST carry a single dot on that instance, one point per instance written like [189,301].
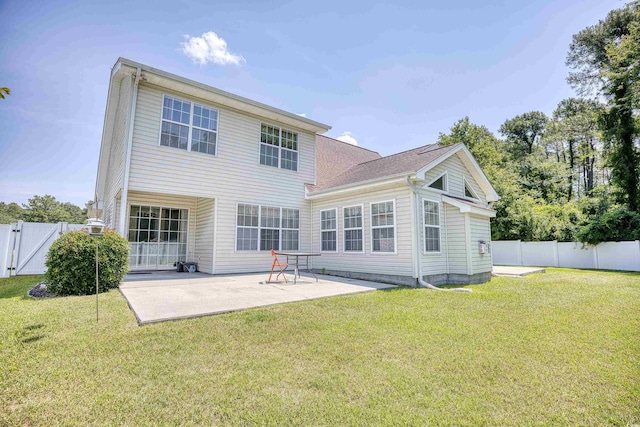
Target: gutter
[418,248]
[127,163]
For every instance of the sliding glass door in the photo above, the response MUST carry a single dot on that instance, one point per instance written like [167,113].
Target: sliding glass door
[157,236]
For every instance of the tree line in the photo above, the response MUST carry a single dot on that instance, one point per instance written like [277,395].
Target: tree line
[43,209]
[573,175]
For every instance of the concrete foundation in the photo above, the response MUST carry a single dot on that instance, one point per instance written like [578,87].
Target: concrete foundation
[434,279]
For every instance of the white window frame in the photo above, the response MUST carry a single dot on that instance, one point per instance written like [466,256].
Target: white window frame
[467,185]
[335,230]
[395,228]
[259,227]
[445,181]
[279,147]
[190,126]
[345,229]
[425,225]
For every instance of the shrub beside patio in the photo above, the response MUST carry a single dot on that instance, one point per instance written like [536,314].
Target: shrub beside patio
[559,349]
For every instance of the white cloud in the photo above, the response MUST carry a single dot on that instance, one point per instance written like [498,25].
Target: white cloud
[209,48]
[302,115]
[346,137]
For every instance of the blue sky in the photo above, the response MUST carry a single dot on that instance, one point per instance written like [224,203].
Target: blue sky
[394,74]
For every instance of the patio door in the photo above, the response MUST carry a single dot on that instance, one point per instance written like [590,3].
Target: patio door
[157,236]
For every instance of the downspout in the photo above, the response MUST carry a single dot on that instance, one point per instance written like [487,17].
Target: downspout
[127,162]
[418,248]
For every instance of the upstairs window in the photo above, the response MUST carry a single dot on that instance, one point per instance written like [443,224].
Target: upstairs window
[188,126]
[468,191]
[278,148]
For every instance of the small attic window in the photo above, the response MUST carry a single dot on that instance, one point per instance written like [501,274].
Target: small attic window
[440,183]
[468,192]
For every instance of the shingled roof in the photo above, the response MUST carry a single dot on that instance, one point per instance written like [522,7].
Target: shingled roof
[335,157]
[405,162]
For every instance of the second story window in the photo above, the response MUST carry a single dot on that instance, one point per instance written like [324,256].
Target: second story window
[278,148]
[189,126]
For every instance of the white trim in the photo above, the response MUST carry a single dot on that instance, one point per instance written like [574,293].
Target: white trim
[424,226]
[259,227]
[466,185]
[445,183]
[190,125]
[361,228]
[161,206]
[199,90]
[360,186]
[216,201]
[465,207]
[127,162]
[395,228]
[414,234]
[485,184]
[335,229]
[469,245]
[279,147]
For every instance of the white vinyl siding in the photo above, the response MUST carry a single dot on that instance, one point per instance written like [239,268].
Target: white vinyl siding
[353,228]
[431,218]
[231,177]
[480,230]
[329,230]
[455,170]
[456,240]
[381,263]
[383,229]
[204,234]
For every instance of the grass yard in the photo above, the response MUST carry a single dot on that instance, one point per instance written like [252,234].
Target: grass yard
[561,348]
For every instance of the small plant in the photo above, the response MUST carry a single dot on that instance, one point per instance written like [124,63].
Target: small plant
[71,263]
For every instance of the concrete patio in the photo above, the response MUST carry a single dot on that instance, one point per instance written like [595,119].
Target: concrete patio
[159,296]
[515,271]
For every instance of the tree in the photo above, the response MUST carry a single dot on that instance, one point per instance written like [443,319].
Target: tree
[10,212]
[3,91]
[605,61]
[47,209]
[575,127]
[485,147]
[523,132]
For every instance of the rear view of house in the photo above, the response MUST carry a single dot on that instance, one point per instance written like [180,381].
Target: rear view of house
[188,172]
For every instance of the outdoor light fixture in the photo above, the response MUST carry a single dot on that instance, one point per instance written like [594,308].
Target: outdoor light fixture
[96,228]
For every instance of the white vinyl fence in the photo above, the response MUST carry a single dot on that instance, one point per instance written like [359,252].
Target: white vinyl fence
[24,246]
[605,256]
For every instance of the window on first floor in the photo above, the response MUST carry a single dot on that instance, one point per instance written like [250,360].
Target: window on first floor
[267,227]
[329,230]
[431,215]
[353,229]
[383,227]
[278,147]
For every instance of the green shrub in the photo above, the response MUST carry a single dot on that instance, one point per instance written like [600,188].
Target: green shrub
[617,224]
[71,263]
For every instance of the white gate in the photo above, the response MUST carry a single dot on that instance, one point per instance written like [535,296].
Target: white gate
[24,246]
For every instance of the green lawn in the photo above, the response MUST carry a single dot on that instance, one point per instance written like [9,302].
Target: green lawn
[561,348]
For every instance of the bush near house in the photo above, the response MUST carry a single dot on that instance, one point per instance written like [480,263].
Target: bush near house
[71,262]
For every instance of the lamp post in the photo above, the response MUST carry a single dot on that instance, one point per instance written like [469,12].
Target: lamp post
[96,228]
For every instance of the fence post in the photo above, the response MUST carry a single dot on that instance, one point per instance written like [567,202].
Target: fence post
[595,257]
[519,252]
[556,259]
[638,256]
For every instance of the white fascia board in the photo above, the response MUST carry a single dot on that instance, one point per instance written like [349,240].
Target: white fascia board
[483,181]
[360,186]
[466,208]
[174,82]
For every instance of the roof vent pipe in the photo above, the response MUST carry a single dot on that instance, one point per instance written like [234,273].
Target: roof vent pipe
[421,282]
